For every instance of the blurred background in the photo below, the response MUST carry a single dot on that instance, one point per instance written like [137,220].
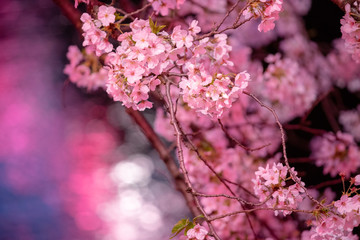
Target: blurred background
[69,165]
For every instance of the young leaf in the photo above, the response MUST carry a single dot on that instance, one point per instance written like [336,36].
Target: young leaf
[179,226]
[200,216]
[188,227]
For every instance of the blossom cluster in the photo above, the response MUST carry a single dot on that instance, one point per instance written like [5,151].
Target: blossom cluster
[270,186]
[294,87]
[350,30]
[336,153]
[134,67]
[204,88]
[85,70]
[146,55]
[94,37]
[339,223]
[211,94]
[268,10]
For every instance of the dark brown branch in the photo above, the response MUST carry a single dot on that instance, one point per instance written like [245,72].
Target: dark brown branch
[69,11]
[155,141]
[179,141]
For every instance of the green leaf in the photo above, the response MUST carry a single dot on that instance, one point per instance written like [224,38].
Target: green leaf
[179,226]
[200,216]
[188,227]
[152,25]
[161,27]
[118,16]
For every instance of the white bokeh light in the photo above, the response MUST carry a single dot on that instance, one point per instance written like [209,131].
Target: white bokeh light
[137,169]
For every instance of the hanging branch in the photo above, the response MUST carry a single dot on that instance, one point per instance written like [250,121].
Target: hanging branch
[67,8]
[164,154]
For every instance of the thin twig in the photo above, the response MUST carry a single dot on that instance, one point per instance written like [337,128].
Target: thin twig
[69,11]
[292,174]
[164,154]
[237,142]
[226,15]
[181,158]
[133,13]
[258,209]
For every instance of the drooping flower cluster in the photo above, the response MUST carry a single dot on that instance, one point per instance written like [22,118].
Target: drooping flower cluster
[268,10]
[85,70]
[336,153]
[94,37]
[270,186]
[350,30]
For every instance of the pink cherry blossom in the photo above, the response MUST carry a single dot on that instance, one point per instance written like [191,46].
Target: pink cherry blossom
[350,30]
[357,179]
[267,9]
[198,232]
[106,15]
[336,153]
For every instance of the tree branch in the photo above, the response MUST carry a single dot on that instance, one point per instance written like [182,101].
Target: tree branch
[155,141]
[69,11]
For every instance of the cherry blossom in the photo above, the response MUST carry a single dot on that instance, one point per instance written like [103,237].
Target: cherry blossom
[270,186]
[267,9]
[197,233]
[106,15]
[336,153]
[350,30]
[294,86]
[357,180]
[85,70]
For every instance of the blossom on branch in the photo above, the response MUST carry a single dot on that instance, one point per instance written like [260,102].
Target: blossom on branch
[336,153]
[85,70]
[350,30]
[268,10]
[270,186]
